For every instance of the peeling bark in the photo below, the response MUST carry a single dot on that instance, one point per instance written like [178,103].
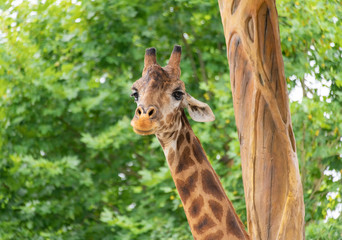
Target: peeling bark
[272,184]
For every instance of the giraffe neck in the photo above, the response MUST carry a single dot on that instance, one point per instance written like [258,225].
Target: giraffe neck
[209,212]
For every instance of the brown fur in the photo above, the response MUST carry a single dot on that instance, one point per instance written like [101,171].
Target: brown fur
[216,208]
[204,224]
[196,206]
[185,161]
[215,236]
[186,187]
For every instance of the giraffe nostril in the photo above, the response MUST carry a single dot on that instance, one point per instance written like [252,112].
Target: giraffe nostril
[139,111]
[150,113]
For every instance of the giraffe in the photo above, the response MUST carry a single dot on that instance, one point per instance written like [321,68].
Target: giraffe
[161,99]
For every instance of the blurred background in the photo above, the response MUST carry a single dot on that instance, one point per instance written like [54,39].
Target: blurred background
[71,166]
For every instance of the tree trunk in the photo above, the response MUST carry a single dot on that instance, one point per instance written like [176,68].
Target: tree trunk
[272,184]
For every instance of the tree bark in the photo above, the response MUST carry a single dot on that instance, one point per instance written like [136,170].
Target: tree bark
[272,183]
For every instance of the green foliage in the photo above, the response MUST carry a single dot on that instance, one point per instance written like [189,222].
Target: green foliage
[312,50]
[71,166]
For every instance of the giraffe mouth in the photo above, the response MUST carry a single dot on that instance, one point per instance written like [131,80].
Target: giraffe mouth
[143,126]
[143,132]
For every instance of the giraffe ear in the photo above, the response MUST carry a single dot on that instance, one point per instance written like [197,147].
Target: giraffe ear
[199,111]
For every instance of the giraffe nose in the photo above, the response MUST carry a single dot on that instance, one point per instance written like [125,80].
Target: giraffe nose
[150,112]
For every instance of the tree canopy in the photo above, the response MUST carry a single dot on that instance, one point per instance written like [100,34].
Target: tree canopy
[70,165]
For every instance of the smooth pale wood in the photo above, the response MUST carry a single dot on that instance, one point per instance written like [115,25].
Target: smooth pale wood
[272,184]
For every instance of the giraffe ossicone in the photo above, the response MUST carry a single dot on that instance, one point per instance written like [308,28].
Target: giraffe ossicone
[161,99]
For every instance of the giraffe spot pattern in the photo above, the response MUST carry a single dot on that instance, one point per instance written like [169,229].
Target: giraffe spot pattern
[233,227]
[185,161]
[185,121]
[178,117]
[175,135]
[188,137]
[198,151]
[186,187]
[180,140]
[196,207]
[167,135]
[204,224]
[171,156]
[172,134]
[169,118]
[215,236]
[210,185]
[216,208]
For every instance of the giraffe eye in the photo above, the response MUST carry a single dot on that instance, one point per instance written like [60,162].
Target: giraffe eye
[135,95]
[178,95]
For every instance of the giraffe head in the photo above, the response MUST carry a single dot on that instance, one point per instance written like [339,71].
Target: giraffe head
[161,97]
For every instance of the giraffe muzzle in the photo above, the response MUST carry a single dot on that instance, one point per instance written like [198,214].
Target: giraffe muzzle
[144,122]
